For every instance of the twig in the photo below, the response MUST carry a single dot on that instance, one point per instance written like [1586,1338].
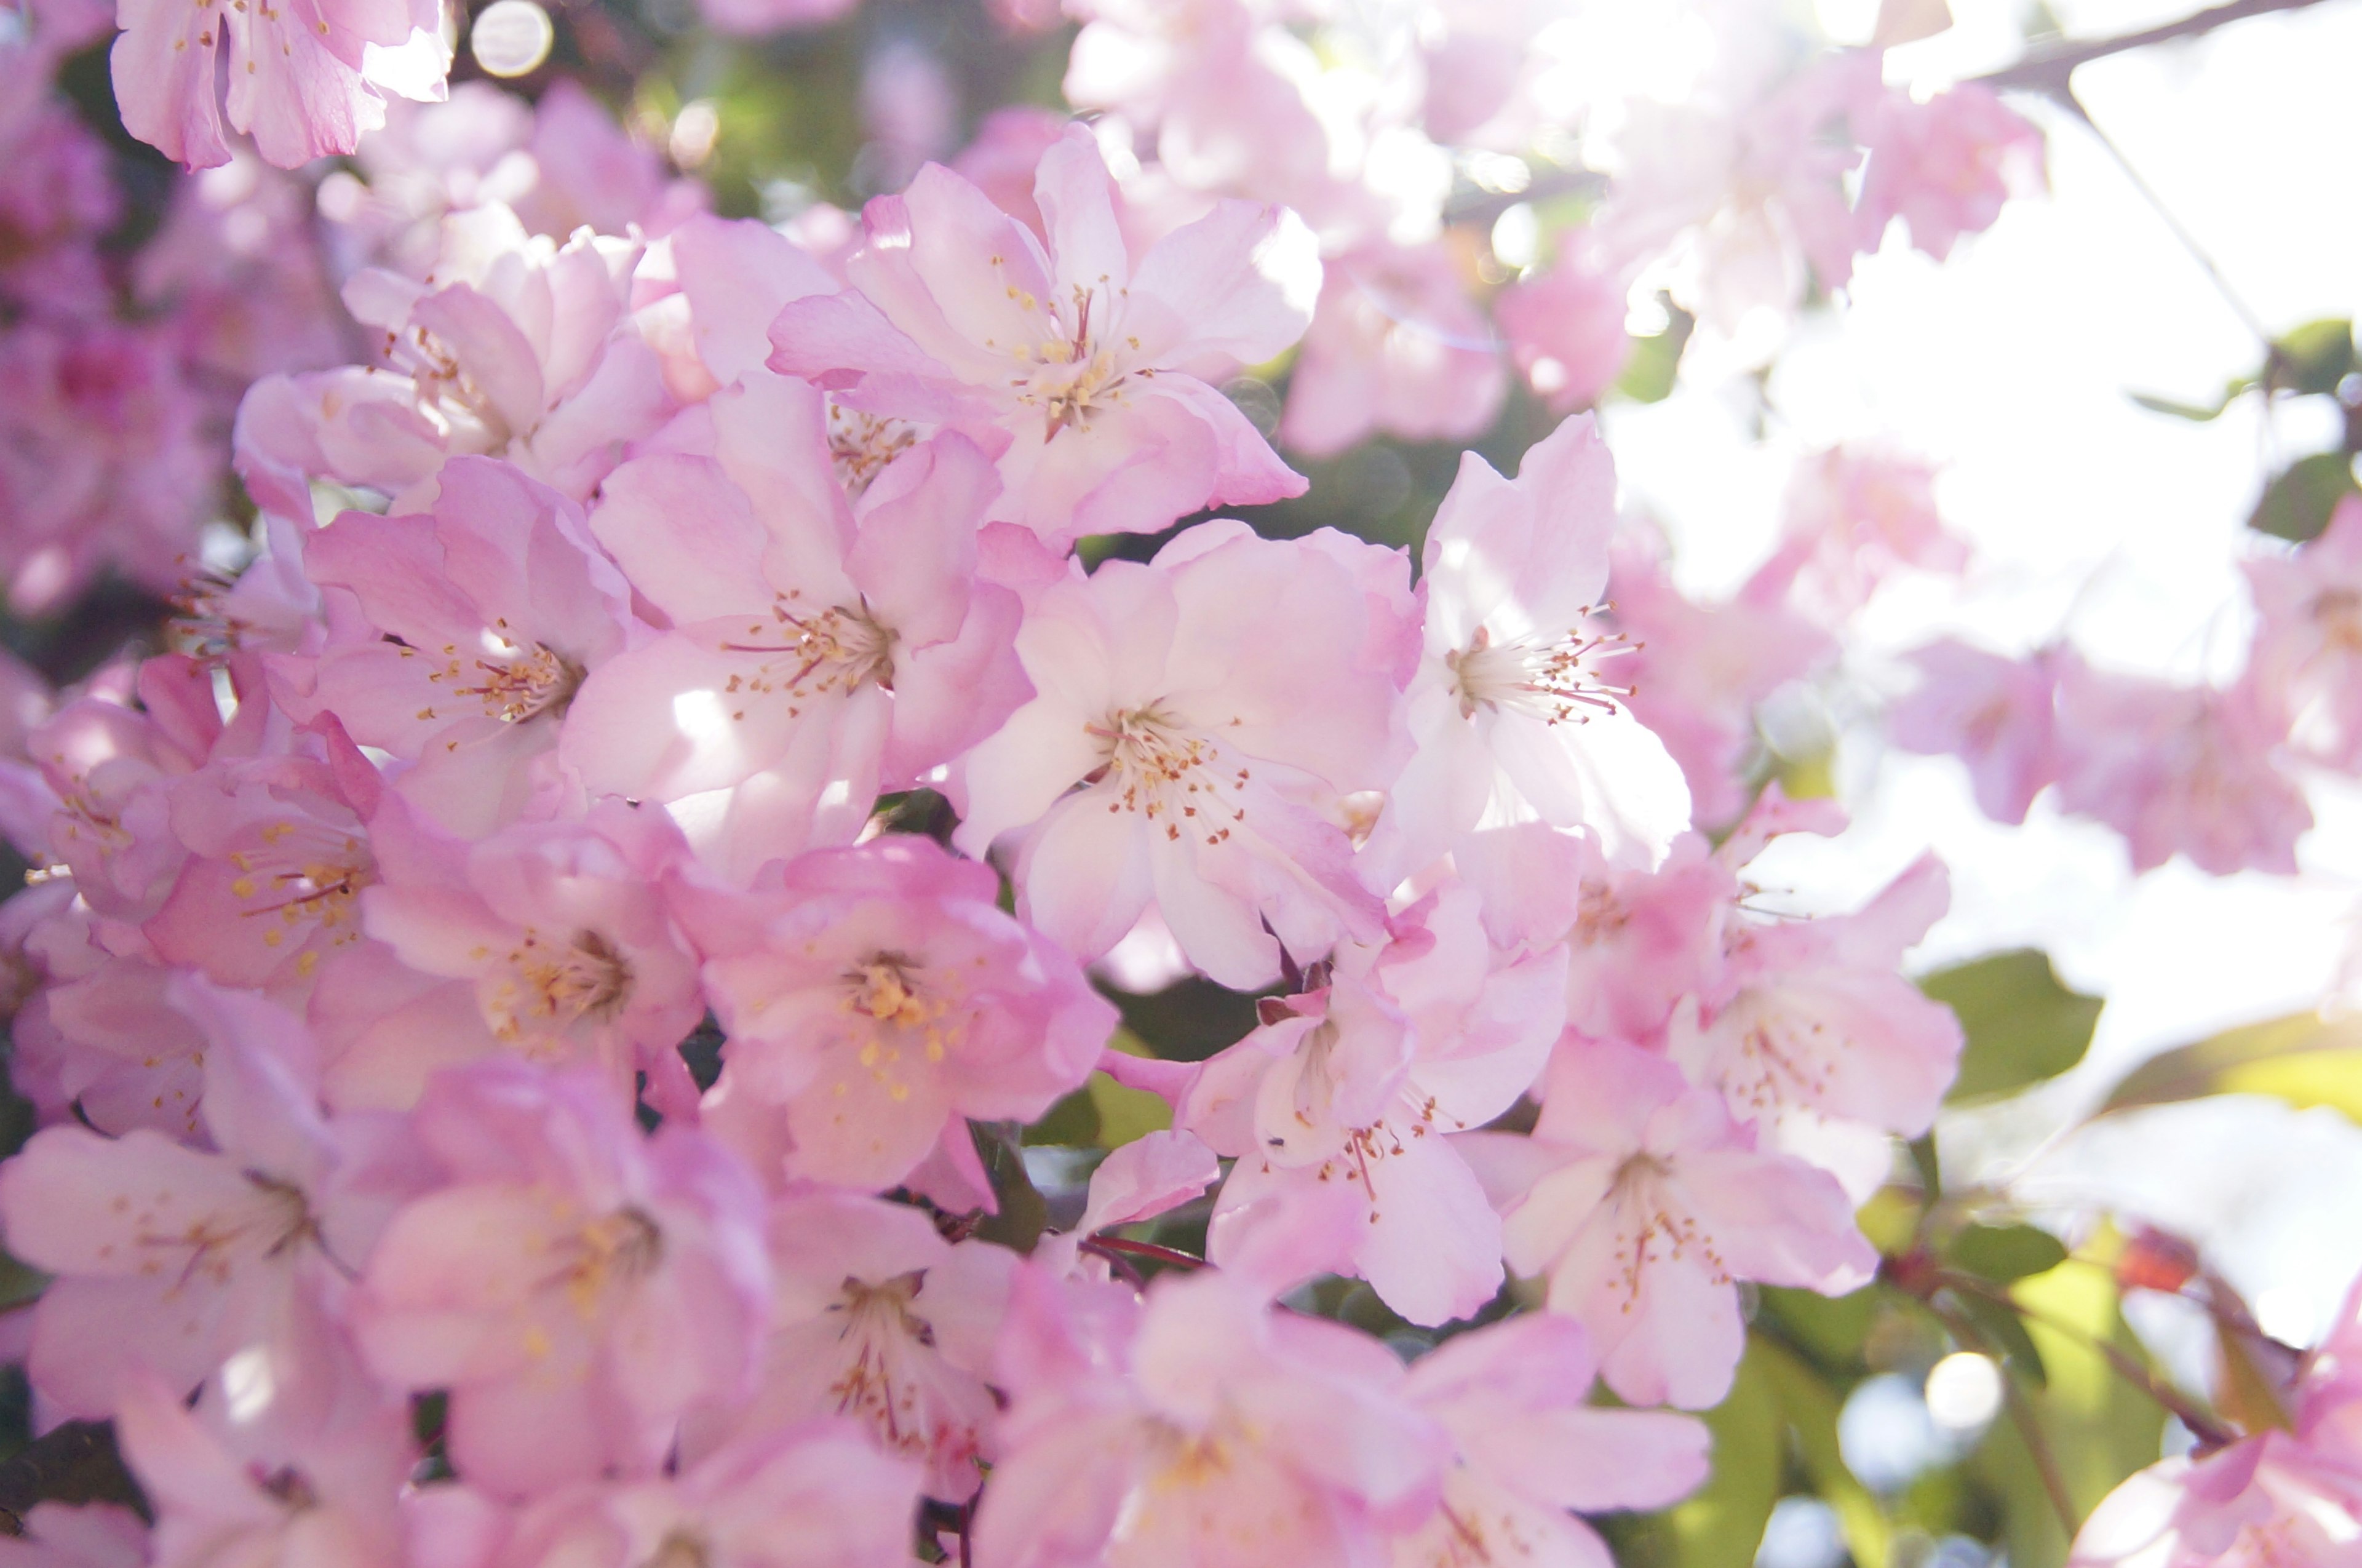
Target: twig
[1144,1250]
[2047,70]
[2203,1424]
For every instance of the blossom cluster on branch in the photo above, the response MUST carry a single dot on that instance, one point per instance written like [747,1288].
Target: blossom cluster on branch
[531,1007]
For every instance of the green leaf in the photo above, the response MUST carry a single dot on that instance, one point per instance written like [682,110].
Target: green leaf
[2003,1253]
[2314,357]
[2022,1025]
[1721,1524]
[1656,361]
[2199,412]
[2004,1335]
[2297,504]
[2300,1059]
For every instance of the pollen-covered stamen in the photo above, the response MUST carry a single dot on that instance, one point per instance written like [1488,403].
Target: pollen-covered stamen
[299,873]
[211,1245]
[879,1330]
[1162,770]
[616,1248]
[1554,679]
[861,445]
[538,680]
[1651,1229]
[901,1022]
[1071,372]
[808,654]
[446,392]
[203,625]
[555,984]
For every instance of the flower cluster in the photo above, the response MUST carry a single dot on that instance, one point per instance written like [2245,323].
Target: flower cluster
[704,654]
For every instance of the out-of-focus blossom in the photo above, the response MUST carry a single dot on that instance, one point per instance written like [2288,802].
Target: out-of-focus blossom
[1945,165]
[1565,331]
[1852,517]
[1395,345]
[2307,657]
[1995,714]
[2178,770]
[575,1286]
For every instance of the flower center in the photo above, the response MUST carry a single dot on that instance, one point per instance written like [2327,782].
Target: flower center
[513,690]
[1069,374]
[303,872]
[586,978]
[884,990]
[1550,678]
[861,445]
[2338,611]
[841,649]
[1158,768]
[620,1247]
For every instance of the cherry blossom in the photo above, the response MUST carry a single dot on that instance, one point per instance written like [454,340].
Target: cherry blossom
[877,998]
[1645,1204]
[1215,705]
[1087,358]
[575,1289]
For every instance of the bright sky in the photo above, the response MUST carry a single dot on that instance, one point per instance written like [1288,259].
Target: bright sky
[2009,366]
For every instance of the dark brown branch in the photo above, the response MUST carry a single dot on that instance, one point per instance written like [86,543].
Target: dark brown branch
[2047,70]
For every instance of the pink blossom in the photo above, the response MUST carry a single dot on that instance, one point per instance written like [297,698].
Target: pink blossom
[110,768]
[87,1535]
[1529,1448]
[1853,516]
[817,655]
[1814,1035]
[704,297]
[1200,1429]
[1944,165]
[1565,330]
[2307,657]
[231,1483]
[1089,360]
[520,349]
[102,459]
[2289,1495]
[1216,706]
[877,998]
[181,1259]
[278,852]
[877,1319]
[306,79]
[562,934]
[1357,1090]
[1645,1205]
[814,1495]
[1995,714]
[1518,709]
[463,636]
[574,1285]
[2186,771]
[1699,671]
[1008,148]
[1744,202]
[1395,345]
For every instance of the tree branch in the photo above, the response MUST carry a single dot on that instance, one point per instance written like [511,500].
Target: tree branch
[2047,70]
